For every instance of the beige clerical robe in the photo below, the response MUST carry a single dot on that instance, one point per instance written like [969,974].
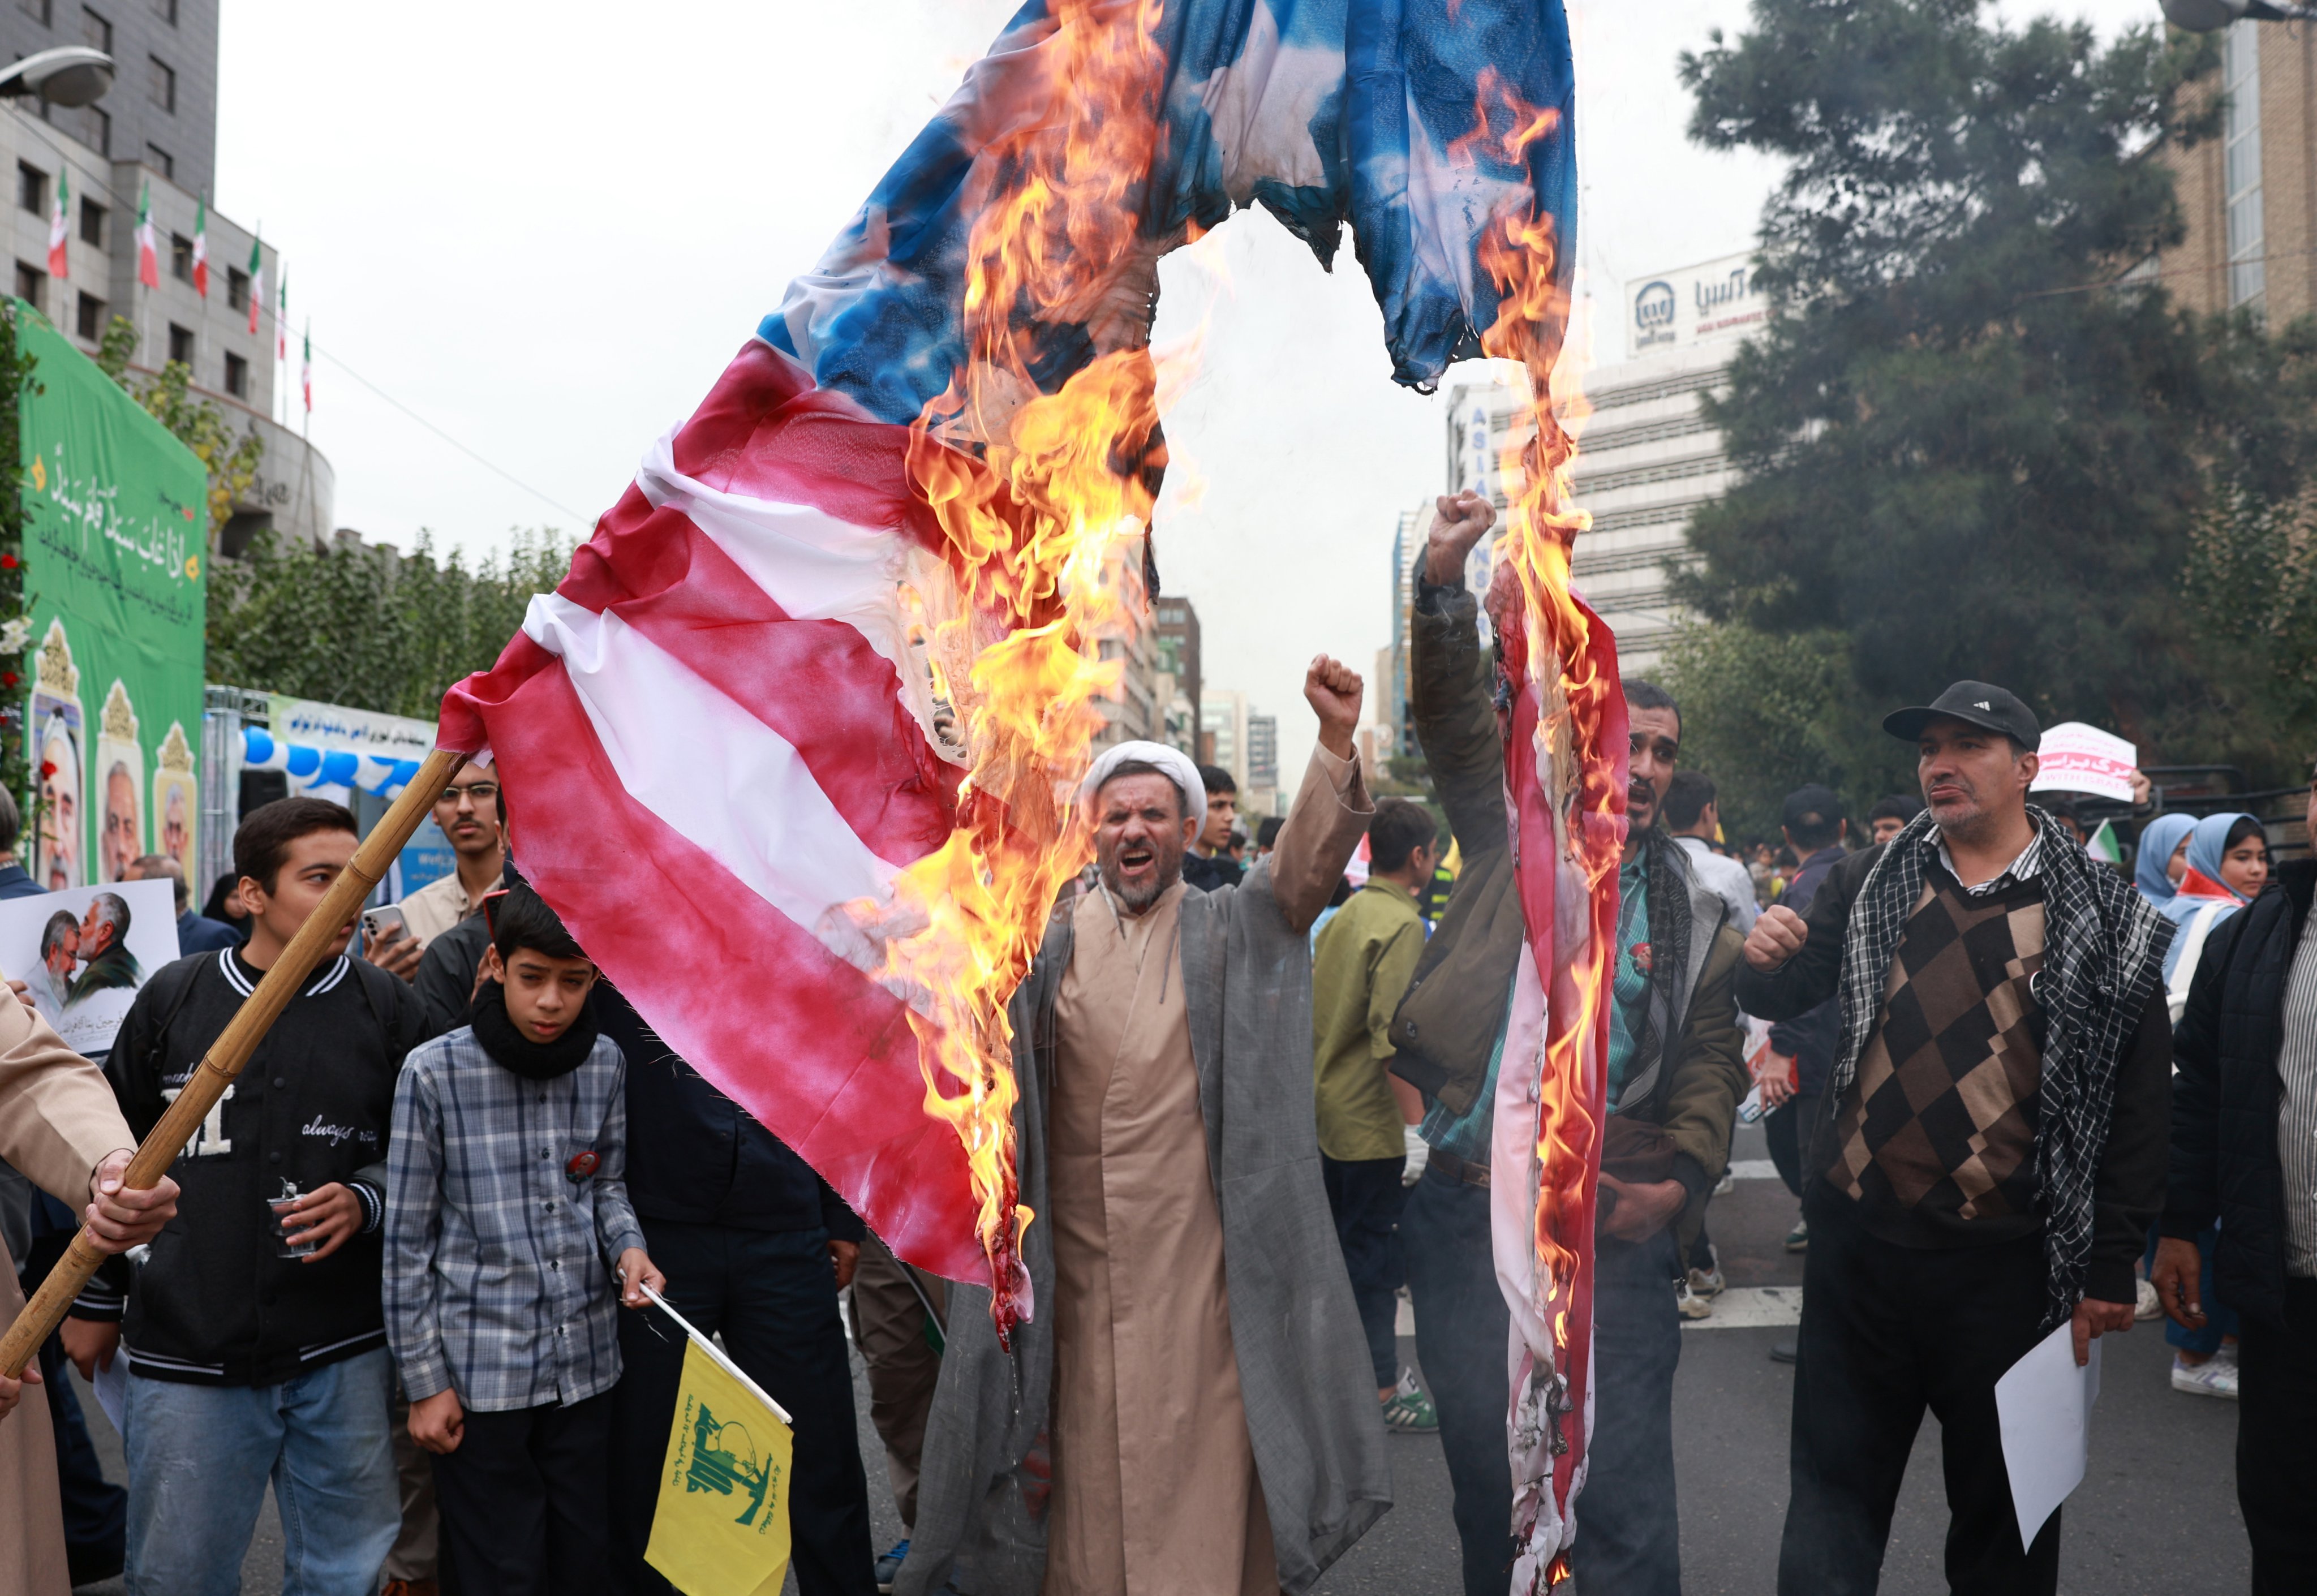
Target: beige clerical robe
[1155,1486]
[58,1120]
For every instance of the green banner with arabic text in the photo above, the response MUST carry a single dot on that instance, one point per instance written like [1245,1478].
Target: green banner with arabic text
[115,545]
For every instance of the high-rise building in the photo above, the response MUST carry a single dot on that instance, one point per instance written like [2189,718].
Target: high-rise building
[1175,642]
[1132,711]
[162,108]
[1223,733]
[157,127]
[1647,458]
[1391,689]
[1263,751]
[2247,196]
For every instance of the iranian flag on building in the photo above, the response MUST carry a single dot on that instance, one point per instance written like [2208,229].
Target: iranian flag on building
[281,319]
[256,282]
[306,372]
[59,265]
[149,247]
[201,248]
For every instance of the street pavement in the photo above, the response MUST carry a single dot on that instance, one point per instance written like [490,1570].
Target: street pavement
[2155,1515]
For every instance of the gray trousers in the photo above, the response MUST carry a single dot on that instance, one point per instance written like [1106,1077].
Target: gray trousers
[888,1326]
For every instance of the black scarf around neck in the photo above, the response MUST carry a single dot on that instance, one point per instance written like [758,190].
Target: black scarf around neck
[504,1040]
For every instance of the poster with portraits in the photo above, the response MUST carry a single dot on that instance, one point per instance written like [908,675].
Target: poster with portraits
[119,791]
[83,953]
[58,847]
[115,533]
[176,800]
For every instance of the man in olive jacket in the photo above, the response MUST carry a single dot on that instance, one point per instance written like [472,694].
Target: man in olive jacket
[1675,964]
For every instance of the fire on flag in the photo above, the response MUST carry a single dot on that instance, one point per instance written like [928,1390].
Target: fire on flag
[819,688]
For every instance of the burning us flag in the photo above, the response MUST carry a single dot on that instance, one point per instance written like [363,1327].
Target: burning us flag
[812,702]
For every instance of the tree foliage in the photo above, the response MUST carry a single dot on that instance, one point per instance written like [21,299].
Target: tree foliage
[1971,445]
[2251,585]
[361,626]
[231,456]
[1767,712]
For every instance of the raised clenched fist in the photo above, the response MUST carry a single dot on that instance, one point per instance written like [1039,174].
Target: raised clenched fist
[1458,522]
[1776,937]
[1333,689]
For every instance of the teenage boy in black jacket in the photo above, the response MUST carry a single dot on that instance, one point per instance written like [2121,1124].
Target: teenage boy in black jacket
[257,1348]
[755,1245]
[2244,1151]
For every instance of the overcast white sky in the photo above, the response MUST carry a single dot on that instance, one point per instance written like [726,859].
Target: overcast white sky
[546,228]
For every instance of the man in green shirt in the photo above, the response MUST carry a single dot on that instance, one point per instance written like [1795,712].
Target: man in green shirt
[1360,969]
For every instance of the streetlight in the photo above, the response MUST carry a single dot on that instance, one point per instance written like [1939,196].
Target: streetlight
[70,76]
[2208,16]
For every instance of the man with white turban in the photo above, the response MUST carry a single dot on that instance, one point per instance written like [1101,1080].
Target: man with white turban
[1186,1412]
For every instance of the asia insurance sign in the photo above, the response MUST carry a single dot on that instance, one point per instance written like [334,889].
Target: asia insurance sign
[1706,303]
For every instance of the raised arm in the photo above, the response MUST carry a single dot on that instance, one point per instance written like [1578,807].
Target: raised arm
[1450,682]
[1332,808]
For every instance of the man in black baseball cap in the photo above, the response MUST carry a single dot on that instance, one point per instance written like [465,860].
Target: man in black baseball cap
[1982,704]
[1990,1150]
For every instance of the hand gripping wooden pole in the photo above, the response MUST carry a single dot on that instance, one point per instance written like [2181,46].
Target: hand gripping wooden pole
[235,1044]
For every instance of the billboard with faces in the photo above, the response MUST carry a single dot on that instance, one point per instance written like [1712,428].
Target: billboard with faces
[115,541]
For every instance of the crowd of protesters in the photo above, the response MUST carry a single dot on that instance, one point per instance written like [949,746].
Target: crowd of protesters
[404,1275]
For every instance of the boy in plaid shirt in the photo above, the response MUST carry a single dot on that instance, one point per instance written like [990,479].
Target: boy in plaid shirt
[509,1234]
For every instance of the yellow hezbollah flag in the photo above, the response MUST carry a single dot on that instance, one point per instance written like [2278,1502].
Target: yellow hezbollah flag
[722,1525]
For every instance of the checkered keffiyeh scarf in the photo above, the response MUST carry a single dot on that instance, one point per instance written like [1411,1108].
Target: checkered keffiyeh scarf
[2103,957]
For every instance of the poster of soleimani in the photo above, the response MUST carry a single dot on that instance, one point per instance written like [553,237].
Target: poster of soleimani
[83,953]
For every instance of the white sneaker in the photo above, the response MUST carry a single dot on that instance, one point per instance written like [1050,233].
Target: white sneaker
[1691,1304]
[1726,1184]
[2215,1376]
[2145,1306]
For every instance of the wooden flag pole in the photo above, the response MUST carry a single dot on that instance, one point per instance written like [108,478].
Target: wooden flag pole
[235,1044]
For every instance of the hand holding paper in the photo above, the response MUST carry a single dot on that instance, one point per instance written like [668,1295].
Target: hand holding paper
[2043,1403]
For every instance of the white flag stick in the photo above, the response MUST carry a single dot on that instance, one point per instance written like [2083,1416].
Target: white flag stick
[722,1363]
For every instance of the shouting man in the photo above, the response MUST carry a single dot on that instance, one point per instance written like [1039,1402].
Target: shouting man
[1186,1413]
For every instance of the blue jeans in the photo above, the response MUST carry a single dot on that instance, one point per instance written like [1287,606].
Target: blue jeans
[1628,1530]
[1365,1196]
[1463,1331]
[199,1456]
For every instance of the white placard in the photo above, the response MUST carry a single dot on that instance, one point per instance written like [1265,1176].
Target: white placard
[2079,758]
[84,952]
[2043,1403]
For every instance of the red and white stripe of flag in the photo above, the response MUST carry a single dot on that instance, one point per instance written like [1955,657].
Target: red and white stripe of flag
[711,735]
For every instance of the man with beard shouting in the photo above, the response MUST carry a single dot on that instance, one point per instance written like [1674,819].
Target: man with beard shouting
[1186,1410]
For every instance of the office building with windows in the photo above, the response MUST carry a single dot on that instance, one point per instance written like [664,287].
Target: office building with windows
[2250,196]
[1647,456]
[156,126]
[1176,628]
[1223,732]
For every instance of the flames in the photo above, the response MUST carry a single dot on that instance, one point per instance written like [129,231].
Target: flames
[1043,499]
[1521,253]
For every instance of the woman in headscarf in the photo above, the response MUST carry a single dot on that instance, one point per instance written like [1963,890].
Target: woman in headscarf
[2227,866]
[2162,840]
